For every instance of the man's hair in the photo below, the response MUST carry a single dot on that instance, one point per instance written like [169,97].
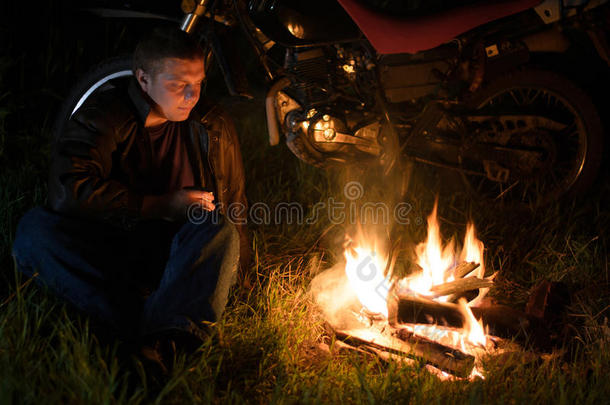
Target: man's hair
[164,42]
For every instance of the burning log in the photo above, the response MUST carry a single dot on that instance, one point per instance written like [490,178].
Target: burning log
[502,320]
[406,344]
[459,286]
[505,321]
[413,309]
[464,268]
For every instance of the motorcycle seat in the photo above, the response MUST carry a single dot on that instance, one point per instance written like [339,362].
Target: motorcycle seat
[390,35]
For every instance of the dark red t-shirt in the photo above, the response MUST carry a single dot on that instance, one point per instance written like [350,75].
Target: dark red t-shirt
[164,163]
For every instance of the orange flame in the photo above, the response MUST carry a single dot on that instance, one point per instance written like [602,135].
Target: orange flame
[365,266]
[473,329]
[473,250]
[434,260]
[437,261]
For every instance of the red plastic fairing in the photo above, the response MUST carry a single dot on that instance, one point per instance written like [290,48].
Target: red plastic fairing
[390,34]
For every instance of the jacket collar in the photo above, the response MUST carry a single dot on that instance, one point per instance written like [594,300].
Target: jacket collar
[139,101]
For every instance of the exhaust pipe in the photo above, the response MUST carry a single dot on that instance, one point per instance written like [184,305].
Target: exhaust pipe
[272,124]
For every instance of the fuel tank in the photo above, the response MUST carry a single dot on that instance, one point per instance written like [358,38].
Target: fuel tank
[296,23]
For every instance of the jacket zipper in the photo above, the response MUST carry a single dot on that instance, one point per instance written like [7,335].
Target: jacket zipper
[209,140]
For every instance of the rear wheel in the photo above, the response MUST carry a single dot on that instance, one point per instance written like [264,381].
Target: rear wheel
[560,148]
[110,73]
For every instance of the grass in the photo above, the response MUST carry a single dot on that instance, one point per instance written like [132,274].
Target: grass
[267,347]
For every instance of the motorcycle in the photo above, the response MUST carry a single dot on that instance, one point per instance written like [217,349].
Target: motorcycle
[475,89]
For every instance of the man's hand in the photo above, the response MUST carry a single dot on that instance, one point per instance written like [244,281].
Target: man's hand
[179,202]
[174,206]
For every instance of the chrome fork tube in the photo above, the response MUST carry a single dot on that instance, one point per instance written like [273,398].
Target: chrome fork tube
[190,19]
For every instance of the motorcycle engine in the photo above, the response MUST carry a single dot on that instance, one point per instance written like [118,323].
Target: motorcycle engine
[324,118]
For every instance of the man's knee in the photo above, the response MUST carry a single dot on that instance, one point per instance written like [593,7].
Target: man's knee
[228,237]
[228,230]
[219,236]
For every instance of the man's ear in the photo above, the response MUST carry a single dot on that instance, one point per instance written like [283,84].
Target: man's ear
[144,79]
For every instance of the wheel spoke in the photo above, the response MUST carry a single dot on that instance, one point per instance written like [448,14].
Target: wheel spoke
[514,97]
[532,99]
[556,169]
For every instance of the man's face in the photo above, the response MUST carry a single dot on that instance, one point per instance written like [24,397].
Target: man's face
[175,87]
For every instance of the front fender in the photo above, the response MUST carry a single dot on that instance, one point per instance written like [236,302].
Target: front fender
[122,13]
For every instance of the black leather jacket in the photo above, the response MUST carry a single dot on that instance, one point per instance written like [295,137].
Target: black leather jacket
[90,171]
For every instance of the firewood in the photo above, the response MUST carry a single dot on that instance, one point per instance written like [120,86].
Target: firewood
[505,321]
[460,285]
[464,268]
[455,297]
[445,358]
[502,320]
[414,309]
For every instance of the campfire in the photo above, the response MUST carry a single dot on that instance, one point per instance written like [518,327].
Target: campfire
[435,313]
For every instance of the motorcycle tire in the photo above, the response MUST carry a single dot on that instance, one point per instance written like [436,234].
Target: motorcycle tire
[569,103]
[110,72]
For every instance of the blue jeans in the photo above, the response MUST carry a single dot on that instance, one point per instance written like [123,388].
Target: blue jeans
[154,278]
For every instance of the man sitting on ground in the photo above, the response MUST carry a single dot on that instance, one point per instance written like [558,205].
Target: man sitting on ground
[145,222]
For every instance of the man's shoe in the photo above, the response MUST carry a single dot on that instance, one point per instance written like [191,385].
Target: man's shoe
[182,341]
[155,361]
[162,348]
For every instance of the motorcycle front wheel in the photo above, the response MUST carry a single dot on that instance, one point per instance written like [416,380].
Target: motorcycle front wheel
[114,72]
[568,141]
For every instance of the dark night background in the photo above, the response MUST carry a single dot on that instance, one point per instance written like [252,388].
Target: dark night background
[46,46]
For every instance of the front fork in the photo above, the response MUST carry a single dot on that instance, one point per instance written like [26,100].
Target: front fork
[195,13]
